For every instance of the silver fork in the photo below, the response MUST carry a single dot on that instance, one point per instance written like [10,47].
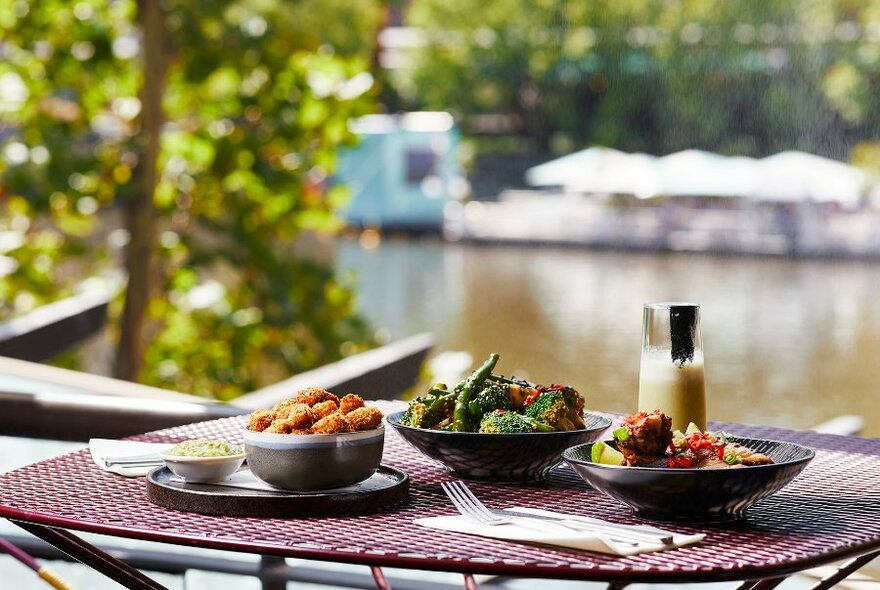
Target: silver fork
[471,506]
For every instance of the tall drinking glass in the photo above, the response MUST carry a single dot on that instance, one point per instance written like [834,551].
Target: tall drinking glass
[671,377]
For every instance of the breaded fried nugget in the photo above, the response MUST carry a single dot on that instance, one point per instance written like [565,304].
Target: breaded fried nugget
[279,427]
[288,410]
[331,423]
[364,418]
[260,420]
[314,395]
[350,402]
[281,407]
[325,408]
[300,417]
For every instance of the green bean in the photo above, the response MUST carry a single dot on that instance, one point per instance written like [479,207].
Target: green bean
[539,426]
[460,418]
[438,409]
[475,411]
[501,379]
[509,380]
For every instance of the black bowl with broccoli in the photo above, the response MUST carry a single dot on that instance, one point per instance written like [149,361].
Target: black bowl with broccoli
[492,428]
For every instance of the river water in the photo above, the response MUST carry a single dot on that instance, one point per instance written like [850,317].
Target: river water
[787,342]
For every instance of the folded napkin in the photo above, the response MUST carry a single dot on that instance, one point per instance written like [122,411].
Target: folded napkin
[548,533]
[102,448]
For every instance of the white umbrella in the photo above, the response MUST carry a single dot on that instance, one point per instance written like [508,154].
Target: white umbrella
[628,174]
[570,169]
[705,174]
[798,176]
[784,177]
[598,170]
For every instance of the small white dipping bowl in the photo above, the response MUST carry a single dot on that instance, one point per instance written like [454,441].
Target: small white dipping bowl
[203,469]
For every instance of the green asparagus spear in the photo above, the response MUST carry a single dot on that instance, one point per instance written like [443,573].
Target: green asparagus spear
[438,409]
[501,379]
[509,380]
[460,417]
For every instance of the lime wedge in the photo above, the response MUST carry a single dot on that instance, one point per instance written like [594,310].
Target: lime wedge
[621,433]
[605,454]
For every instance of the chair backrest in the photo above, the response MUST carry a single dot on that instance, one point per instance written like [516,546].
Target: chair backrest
[49,402]
[53,328]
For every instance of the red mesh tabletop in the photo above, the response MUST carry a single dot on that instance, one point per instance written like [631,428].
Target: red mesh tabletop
[827,513]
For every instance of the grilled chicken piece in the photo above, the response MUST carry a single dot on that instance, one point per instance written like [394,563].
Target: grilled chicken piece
[708,459]
[649,437]
[748,456]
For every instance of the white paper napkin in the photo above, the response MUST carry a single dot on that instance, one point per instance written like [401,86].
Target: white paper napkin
[547,533]
[105,447]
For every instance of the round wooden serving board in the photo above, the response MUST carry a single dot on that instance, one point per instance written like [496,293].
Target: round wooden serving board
[386,487]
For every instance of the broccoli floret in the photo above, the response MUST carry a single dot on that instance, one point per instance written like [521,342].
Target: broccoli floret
[558,406]
[575,402]
[494,396]
[501,422]
[429,411]
[550,408]
[415,413]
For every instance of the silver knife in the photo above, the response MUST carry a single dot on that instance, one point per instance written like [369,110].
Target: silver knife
[149,459]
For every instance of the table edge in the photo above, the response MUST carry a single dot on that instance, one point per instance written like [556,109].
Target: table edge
[460,566]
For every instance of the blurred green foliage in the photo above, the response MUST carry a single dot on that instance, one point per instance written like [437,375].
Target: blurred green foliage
[257,103]
[736,77]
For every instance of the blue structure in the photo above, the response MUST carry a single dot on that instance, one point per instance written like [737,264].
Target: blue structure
[403,172]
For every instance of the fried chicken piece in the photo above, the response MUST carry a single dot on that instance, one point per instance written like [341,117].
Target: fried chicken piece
[330,424]
[301,417]
[364,418]
[349,402]
[649,437]
[282,408]
[291,410]
[279,427]
[325,408]
[260,420]
[314,395]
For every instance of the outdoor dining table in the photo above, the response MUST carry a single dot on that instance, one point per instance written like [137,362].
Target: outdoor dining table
[829,513]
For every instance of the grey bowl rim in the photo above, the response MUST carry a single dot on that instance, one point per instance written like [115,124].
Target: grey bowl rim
[496,435]
[373,432]
[811,454]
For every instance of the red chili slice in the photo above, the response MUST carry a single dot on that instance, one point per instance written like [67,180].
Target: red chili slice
[532,397]
[679,462]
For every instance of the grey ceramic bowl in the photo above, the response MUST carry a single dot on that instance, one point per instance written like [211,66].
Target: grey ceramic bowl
[693,495]
[509,458]
[309,462]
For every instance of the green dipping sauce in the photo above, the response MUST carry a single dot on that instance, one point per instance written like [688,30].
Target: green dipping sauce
[204,448]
